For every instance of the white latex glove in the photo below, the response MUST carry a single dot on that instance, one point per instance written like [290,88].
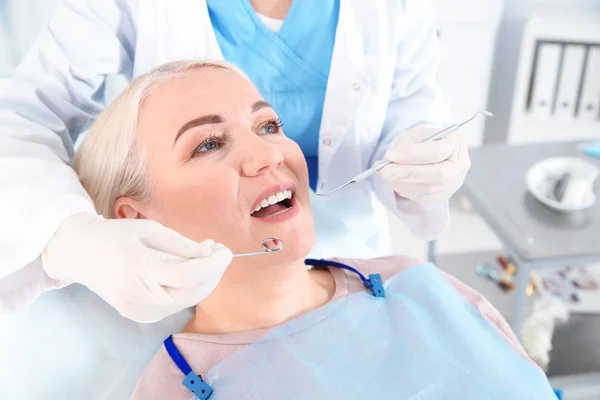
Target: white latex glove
[426,173]
[144,270]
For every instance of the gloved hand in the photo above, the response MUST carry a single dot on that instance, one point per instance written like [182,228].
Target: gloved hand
[144,270]
[426,173]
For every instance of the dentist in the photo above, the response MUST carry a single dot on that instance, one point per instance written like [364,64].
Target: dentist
[353,82]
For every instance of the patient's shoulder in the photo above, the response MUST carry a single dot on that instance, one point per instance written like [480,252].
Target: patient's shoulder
[385,266]
[162,379]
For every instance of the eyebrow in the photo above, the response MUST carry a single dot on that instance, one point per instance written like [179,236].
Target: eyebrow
[260,105]
[204,120]
[215,119]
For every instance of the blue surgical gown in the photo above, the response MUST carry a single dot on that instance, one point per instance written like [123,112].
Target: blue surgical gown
[290,68]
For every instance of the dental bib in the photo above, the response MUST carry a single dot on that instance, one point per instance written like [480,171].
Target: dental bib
[421,341]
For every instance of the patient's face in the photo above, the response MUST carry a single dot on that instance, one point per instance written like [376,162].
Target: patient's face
[217,159]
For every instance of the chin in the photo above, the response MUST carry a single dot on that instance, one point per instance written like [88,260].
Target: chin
[296,231]
[297,245]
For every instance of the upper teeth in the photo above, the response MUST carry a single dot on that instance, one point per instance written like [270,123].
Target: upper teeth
[274,198]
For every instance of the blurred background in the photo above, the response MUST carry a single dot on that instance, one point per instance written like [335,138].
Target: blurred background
[534,63]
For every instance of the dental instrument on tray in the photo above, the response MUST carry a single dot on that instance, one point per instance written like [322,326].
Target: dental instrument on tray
[436,136]
[269,245]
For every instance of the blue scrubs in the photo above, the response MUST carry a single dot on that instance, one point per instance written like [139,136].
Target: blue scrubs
[289,68]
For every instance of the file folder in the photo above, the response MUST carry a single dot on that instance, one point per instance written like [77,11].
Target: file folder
[589,101]
[545,77]
[571,74]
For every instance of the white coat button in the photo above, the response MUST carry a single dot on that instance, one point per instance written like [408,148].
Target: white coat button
[321,185]
[356,87]
[327,142]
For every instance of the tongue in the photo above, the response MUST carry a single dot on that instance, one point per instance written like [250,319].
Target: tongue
[270,210]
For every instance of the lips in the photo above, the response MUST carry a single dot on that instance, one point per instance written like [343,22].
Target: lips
[275,201]
[273,191]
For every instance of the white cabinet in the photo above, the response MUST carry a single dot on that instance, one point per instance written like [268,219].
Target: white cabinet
[557,86]
[467,31]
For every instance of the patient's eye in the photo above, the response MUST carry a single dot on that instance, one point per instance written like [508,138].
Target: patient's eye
[270,127]
[210,144]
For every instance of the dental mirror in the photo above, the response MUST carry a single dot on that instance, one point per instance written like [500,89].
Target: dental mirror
[269,245]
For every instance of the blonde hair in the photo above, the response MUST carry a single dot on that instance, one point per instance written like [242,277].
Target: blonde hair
[110,161]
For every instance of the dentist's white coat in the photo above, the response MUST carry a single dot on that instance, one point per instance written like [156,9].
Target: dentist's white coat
[382,82]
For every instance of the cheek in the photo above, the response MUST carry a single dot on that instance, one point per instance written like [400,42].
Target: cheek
[195,205]
[296,161]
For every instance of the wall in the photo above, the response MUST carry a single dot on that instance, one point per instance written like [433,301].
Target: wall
[467,39]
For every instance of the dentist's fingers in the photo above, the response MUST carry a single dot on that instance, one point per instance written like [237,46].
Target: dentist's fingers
[407,151]
[170,242]
[452,169]
[426,172]
[201,274]
[131,264]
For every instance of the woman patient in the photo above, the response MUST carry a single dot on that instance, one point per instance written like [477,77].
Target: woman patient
[193,146]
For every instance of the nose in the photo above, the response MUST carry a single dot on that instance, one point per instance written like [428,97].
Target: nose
[258,156]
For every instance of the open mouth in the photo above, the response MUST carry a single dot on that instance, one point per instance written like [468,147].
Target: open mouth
[275,204]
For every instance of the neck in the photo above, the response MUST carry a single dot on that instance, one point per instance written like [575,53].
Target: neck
[252,296]
[277,9]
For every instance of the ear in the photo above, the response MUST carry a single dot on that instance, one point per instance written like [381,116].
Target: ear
[126,207]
